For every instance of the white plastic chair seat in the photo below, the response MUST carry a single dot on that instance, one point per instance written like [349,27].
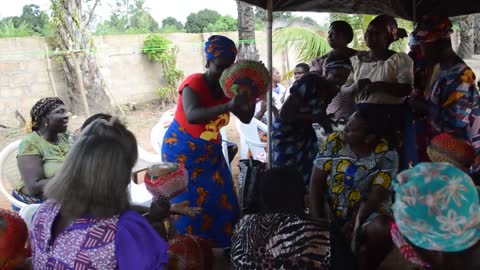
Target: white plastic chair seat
[9,174]
[250,140]
[27,213]
[139,194]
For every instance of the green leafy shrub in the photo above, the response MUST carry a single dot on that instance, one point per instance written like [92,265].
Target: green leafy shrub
[160,50]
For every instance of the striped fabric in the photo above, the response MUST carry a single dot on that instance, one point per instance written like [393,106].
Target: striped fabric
[280,241]
[86,244]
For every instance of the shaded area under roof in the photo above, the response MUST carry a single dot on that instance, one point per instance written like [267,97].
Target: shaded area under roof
[398,8]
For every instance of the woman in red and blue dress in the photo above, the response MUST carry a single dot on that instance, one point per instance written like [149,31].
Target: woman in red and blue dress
[193,139]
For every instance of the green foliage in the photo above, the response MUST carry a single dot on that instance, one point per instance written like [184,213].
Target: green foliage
[288,17]
[172,22]
[8,29]
[160,49]
[223,24]
[308,43]
[155,47]
[198,22]
[128,18]
[33,21]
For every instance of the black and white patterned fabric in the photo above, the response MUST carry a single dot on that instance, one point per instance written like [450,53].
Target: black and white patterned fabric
[280,241]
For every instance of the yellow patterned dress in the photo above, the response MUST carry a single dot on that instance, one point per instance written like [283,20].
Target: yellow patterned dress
[350,177]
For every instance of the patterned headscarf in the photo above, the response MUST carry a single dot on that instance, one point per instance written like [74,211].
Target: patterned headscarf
[437,207]
[217,46]
[41,109]
[432,29]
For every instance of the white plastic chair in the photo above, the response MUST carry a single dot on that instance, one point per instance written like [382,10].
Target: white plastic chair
[27,212]
[158,131]
[250,140]
[9,174]
[139,194]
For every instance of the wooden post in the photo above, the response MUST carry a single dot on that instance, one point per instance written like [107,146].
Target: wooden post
[49,71]
[83,94]
[269,93]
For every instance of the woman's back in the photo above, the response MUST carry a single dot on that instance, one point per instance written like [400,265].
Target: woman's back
[117,242]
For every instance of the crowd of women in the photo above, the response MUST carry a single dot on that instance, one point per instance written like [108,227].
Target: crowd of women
[400,173]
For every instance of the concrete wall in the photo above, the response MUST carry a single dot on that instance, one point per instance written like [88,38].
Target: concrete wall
[128,73]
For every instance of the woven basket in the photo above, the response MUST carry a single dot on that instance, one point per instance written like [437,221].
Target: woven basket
[173,180]
[247,74]
[190,252]
[446,148]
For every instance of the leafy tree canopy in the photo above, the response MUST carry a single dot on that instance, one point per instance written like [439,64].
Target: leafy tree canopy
[128,17]
[223,24]
[198,22]
[33,21]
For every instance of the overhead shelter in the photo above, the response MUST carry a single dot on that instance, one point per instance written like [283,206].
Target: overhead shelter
[407,9]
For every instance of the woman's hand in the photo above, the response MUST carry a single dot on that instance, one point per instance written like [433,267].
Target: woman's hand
[361,84]
[370,88]
[183,208]
[159,210]
[241,102]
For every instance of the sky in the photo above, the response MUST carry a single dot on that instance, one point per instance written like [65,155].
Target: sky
[179,9]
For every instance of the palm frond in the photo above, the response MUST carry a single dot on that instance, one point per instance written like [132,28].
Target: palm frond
[307,43]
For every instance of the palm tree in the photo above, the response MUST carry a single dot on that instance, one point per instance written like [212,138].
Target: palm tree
[308,43]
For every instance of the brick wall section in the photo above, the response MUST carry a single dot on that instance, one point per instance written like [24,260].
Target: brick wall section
[127,72]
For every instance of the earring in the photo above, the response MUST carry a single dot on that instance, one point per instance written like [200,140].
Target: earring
[46,124]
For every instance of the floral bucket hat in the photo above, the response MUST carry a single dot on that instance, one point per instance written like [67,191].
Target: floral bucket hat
[437,207]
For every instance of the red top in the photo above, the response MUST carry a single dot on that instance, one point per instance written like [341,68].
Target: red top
[209,131]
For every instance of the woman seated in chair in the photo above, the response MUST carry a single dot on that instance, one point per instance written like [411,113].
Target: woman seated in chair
[281,236]
[353,173]
[88,198]
[43,149]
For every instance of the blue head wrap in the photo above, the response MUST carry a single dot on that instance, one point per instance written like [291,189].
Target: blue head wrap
[217,46]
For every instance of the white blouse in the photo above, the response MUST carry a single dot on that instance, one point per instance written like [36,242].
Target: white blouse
[398,68]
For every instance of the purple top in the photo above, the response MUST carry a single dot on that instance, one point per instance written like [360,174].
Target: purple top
[138,245]
[120,242]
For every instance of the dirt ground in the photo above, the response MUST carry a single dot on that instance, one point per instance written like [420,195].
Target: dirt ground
[140,121]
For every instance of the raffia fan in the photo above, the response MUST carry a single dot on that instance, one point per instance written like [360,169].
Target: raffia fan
[250,75]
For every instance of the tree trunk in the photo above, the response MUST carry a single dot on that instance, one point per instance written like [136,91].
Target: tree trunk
[477,34]
[72,34]
[247,48]
[465,49]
